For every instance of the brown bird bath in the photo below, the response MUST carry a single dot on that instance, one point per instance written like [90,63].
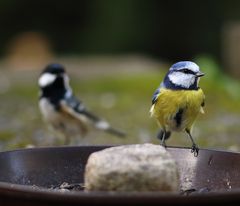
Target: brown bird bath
[32,176]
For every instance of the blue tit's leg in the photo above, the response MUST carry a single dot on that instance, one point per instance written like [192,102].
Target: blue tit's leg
[163,135]
[195,148]
[163,143]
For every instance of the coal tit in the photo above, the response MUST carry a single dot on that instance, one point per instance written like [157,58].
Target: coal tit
[62,110]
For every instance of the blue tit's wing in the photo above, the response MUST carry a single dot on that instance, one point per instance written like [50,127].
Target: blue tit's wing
[157,93]
[76,109]
[155,96]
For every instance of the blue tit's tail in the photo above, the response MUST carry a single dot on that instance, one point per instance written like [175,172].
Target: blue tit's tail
[163,134]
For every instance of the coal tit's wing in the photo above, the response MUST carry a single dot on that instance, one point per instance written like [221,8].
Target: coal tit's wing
[75,108]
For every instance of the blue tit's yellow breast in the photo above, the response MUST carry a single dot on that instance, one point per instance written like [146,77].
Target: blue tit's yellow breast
[177,109]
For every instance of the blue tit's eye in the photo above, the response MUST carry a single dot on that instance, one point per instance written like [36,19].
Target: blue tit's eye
[187,71]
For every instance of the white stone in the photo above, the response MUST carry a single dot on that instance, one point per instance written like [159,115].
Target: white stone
[141,167]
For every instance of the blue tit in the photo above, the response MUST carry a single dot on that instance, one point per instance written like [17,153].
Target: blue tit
[62,110]
[178,101]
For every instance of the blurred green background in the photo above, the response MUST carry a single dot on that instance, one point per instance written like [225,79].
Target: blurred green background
[116,53]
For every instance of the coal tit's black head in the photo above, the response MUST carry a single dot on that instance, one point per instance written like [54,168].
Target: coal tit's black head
[54,69]
[50,74]
[54,83]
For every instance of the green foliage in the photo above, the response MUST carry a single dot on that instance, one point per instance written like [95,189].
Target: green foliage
[218,84]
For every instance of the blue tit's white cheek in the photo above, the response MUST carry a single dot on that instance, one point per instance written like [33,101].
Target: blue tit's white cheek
[46,79]
[182,79]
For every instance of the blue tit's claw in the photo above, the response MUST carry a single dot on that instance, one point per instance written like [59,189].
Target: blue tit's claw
[195,150]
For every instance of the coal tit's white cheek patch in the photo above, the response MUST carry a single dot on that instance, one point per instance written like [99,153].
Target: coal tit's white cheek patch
[66,83]
[46,79]
[181,79]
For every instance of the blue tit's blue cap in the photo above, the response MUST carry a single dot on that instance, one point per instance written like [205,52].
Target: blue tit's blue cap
[185,64]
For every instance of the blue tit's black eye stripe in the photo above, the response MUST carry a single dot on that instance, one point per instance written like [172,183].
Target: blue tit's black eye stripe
[187,71]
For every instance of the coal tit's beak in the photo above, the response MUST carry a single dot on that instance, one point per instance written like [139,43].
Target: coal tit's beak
[199,74]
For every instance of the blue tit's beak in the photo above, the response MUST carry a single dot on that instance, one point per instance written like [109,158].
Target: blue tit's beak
[200,74]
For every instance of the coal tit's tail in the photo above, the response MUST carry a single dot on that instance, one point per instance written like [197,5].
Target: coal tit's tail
[103,125]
